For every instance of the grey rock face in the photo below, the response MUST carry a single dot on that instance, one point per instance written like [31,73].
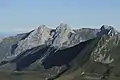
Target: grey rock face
[105,45]
[62,36]
[6,45]
[109,41]
[27,45]
[81,35]
[107,30]
[38,37]
[61,50]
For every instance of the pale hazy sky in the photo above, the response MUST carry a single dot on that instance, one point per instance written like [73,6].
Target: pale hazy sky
[24,15]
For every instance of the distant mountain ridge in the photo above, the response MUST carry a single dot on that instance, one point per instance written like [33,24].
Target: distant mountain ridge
[55,51]
[62,36]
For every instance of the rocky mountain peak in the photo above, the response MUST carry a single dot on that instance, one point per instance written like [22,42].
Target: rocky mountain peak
[62,50]
[38,37]
[109,39]
[63,27]
[61,35]
[42,27]
[107,30]
[104,27]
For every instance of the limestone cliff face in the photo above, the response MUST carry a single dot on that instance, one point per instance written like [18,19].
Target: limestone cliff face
[55,50]
[38,37]
[7,44]
[61,37]
[109,41]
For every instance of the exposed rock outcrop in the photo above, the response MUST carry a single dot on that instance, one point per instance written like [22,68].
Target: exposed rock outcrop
[62,50]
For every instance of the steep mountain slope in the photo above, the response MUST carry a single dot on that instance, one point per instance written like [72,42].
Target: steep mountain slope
[102,59]
[62,52]
[61,37]
[8,44]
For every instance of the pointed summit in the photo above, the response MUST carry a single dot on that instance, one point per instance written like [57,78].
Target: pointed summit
[63,27]
[38,37]
[61,34]
[62,24]
[107,30]
[42,27]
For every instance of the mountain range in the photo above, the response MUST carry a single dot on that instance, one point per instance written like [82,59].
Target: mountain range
[63,53]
